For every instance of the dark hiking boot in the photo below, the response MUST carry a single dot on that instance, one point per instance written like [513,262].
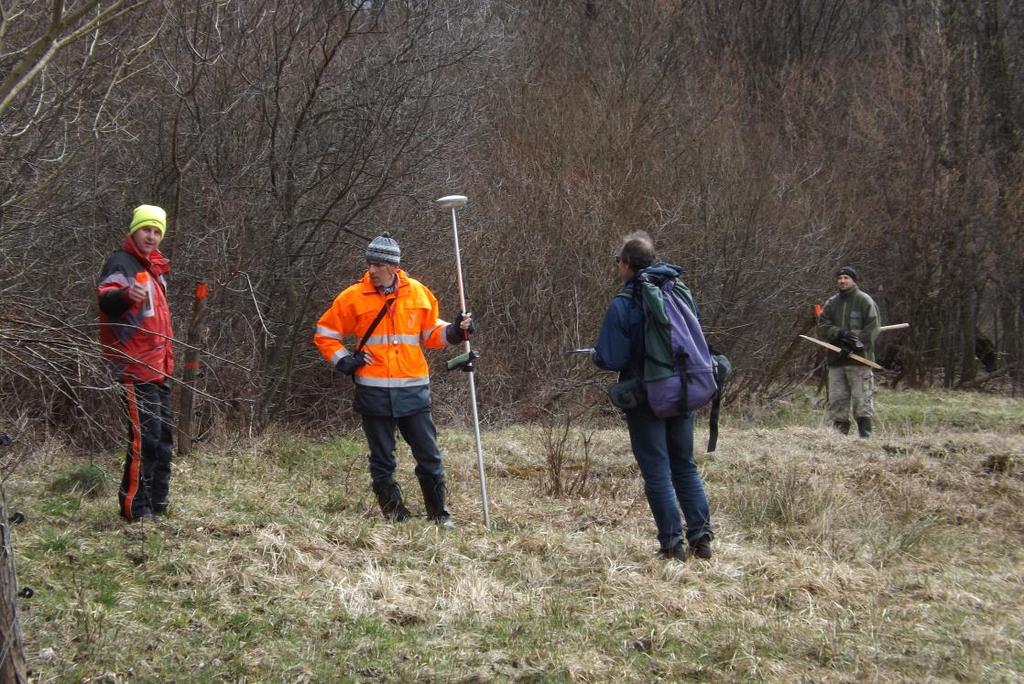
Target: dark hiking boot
[146,515]
[160,508]
[389,496]
[701,548]
[434,492]
[842,425]
[864,427]
[677,552]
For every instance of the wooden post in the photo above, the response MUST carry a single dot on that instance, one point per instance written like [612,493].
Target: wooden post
[186,411]
[13,666]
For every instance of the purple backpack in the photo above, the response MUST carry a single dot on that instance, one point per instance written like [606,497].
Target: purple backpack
[679,372]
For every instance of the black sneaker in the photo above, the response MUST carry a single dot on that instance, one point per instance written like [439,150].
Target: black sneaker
[701,548]
[677,552]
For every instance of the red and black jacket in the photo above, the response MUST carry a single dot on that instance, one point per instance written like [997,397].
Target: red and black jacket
[136,338]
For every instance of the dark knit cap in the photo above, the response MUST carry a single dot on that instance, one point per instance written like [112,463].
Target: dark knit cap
[384,249]
[847,270]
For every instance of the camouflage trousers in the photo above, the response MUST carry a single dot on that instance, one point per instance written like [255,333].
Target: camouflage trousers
[853,383]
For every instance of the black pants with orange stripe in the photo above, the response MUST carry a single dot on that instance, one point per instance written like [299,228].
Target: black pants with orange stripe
[147,465]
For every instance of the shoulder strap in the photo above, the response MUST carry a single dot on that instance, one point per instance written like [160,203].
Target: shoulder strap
[627,292]
[373,326]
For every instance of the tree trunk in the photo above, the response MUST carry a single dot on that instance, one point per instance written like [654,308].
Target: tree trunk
[1018,348]
[191,371]
[968,333]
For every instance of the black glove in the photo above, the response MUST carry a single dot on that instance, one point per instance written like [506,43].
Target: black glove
[455,334]
[349,364]
[852,342]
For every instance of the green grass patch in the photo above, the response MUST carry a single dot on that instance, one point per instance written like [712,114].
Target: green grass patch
[900,411]
[55,542]
[914,410]
[60,505]
[85,479]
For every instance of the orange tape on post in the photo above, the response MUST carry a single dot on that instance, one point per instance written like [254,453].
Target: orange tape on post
[202,292]
[192,364]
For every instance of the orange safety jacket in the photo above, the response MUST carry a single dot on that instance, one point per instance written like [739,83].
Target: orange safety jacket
[397,383]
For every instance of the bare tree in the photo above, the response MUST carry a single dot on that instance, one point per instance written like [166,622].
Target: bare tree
[64,24]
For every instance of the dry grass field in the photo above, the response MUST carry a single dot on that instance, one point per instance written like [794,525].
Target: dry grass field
[898,558]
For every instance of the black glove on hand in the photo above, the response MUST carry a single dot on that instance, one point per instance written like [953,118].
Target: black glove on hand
[455,334]
[852,341]
[349,364]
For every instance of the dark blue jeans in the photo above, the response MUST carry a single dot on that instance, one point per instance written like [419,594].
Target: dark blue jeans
[663,449]
[418,431]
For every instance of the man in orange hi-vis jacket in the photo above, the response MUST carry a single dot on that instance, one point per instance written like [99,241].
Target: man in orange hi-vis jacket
[135,331]
[387,316]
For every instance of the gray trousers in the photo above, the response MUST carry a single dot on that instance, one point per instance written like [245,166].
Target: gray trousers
[853,383]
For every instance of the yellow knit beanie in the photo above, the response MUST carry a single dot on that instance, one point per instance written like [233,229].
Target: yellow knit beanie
[149,215]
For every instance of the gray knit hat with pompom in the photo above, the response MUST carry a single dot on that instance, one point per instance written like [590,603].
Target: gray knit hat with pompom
[384,249]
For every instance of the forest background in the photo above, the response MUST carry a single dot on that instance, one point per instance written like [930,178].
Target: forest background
[762,143]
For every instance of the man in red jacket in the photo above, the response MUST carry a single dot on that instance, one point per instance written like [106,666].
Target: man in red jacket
[135,331]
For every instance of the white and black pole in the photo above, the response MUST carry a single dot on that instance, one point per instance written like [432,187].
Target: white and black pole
[465,360]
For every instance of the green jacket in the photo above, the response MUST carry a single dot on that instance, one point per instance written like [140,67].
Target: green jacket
[854,311]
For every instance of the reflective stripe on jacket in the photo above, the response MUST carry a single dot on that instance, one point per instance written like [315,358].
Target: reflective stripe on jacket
[136,338]
[397,382]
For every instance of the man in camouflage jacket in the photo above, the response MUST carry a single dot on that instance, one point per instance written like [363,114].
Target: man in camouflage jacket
[850,321]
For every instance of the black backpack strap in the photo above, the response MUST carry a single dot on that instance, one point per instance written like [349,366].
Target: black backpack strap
[681,362]
[373,326]
[716,406]
[716,403]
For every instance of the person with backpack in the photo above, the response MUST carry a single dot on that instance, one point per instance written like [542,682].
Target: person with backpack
[850,321]
[389,315]
[135,332]
[662,446]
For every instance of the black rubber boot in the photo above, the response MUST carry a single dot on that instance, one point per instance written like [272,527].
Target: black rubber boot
[864,427]
[843,426]
[389,496]
[434,500]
